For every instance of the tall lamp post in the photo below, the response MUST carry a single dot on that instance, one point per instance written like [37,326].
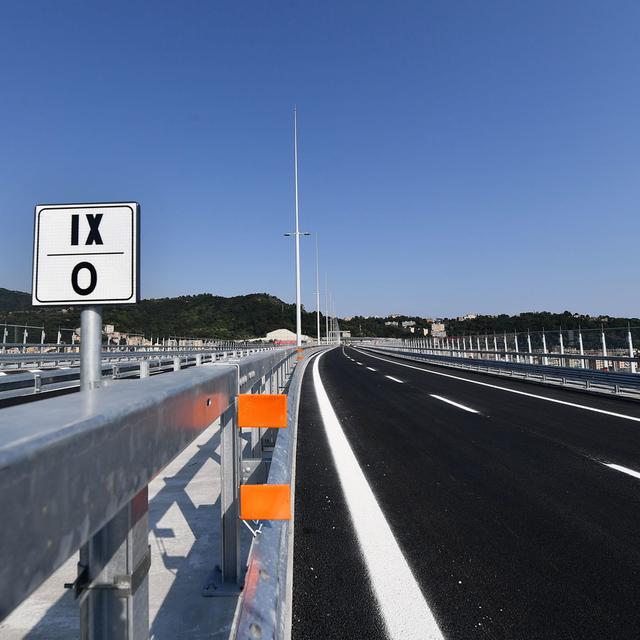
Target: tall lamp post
[297,233]
[317,291]
[326,309]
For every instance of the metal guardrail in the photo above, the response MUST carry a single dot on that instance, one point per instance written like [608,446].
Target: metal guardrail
[74,473]
[265,608]
[7,348]
[19,359]
[604,360]
[16,383]
[590,380]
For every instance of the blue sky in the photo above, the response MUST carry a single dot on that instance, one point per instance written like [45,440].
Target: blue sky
[454,156]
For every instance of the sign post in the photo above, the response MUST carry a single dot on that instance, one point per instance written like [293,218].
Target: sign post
[87,254]
[90,348]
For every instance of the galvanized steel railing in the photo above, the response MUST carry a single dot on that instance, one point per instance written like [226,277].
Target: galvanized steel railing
[586,379]
[265,607]
[74,472]
[51,372]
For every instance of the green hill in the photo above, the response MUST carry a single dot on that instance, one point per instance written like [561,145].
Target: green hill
[202,315]
[255,314]
[14,300]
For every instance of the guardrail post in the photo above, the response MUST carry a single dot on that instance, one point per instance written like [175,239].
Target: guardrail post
[144,368]
[37,383]
[113,577]
[230,462]
[632,364]
[198,359]
[176,363]
[255,435]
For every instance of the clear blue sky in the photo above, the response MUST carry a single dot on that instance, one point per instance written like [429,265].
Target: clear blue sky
[454,156]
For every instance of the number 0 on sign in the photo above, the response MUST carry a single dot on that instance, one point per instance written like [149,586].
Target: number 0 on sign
[86,254]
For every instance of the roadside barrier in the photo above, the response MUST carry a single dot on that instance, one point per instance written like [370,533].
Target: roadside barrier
[74,472]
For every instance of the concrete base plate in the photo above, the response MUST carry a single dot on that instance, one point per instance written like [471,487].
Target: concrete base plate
[215,588]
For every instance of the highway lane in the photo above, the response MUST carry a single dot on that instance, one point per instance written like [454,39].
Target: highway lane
[500,502]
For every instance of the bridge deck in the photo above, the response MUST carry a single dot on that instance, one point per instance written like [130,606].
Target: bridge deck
[501,503]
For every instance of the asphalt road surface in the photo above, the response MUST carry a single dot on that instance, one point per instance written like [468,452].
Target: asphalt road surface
[515,508]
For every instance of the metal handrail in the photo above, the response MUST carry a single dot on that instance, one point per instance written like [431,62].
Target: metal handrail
[622,384]
[21,383]
[71,464]
[265,609]
[108,354]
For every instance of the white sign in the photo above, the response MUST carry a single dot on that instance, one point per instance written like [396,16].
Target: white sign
[86,253]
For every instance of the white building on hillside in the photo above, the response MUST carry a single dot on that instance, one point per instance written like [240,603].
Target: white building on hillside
[284,336]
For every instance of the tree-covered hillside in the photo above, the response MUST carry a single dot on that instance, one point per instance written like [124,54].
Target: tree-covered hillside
[13,300]
[204,315]
[253,315]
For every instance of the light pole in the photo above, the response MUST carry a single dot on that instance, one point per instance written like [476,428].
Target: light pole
[326,310]
[297,233]
[317,290]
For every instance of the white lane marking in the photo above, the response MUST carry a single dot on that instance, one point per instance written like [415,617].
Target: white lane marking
[520,393]
[34,370]
[395,379]
[455,404]
[619,467]
[360,363]
[405,611]
[2,373]
[371,369]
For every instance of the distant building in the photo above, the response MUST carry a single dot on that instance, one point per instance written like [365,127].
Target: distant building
[391,323]
[438,330]
[408,323]
[345,334]
[469,316]
[284,336]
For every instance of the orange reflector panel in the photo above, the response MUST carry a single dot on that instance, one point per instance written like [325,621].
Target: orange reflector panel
[262,410]
[265,502]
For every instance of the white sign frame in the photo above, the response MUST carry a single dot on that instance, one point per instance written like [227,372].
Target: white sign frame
[117,259]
